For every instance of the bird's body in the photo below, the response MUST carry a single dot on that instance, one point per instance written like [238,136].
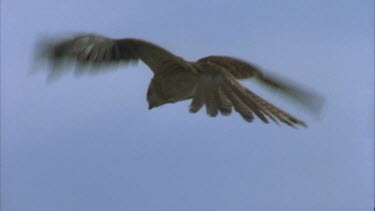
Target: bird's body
[211,81]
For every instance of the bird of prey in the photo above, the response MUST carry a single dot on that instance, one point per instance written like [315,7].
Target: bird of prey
[212,81]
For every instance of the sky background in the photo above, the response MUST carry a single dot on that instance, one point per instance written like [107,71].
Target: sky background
[90,143]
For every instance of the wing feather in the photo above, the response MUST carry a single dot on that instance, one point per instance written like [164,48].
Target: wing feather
[223,103]
[219,90]
[198,100]
[243,70]
[238,104]
[211,103]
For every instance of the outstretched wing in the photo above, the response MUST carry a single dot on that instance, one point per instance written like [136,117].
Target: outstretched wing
[242,70]
[96,51]
[219,91]
[238,68]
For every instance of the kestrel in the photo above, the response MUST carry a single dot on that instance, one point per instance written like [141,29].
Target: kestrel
[211,81]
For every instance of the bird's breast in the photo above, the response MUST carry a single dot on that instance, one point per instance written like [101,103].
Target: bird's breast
[178,85]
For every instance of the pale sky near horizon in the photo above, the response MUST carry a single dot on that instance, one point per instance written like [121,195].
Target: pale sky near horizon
[90,143]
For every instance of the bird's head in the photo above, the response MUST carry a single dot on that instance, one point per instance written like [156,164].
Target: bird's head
[154,101]
[155,97]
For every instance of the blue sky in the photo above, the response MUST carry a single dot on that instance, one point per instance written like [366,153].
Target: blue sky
[90,143]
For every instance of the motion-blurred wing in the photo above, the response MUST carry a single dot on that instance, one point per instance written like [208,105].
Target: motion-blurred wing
[242,70]
[92,51]
[219,91]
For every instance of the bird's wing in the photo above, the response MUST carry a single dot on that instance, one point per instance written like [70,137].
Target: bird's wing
[219,91]
[95,51]
[238,68]
[242,70]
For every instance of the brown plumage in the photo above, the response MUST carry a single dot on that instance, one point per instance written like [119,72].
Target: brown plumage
[211,81]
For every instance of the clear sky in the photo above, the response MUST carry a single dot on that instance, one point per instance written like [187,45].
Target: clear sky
[90,143]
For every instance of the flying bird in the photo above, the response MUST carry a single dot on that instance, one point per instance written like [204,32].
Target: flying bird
[212,81]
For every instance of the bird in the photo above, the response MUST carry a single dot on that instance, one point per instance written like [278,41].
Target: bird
[212,82]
